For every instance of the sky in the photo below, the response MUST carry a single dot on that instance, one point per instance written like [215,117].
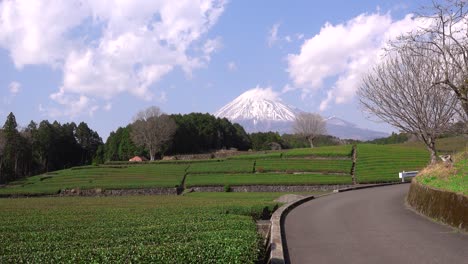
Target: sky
[102,61]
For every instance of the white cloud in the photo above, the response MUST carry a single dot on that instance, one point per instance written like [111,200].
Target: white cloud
[107,106]
[14,88]
[162,98]
[345,52]
[273,34]
[287,88]
[266,93]
[106,51]
[232,66]
[74,105]
[211,46]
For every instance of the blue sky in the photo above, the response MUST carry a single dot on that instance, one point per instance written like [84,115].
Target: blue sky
[101,62]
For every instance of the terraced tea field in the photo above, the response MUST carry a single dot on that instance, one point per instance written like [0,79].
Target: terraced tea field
[196,228]
[304,165]
[331,151]
[381,163]
[264,179]
[322,165]
[223,166]
[104,176]
[301,168]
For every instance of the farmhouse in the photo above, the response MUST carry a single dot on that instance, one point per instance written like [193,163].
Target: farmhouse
[138,159]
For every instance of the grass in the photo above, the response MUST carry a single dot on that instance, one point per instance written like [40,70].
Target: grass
[228,166]
[264,179]
[106,177]
[381,163]
[453,179]
[449,145]
[304,165]
[214,228]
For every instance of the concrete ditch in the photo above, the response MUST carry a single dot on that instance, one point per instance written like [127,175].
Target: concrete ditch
[447,207]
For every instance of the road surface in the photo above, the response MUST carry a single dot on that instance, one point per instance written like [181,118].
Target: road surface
[369,226]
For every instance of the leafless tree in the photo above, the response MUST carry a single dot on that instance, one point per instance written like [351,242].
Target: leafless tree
[443,38]
[152,129]
[401,92]
[309,126]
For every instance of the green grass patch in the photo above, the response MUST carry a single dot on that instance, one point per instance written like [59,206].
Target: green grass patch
[264,179]
[382,163]
[449,145]
[304,165]
[227,166]
[141,229]
[453,179]
[89,177]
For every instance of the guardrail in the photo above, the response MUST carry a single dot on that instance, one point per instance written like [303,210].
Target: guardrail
[406,174]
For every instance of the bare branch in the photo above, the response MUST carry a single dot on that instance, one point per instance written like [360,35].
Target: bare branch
[152,129]
[309,126]
[403,92]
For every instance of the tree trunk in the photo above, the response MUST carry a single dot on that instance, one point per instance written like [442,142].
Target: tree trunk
[465,106]
[432,149]
[310,142]
[1,173]
[16,166]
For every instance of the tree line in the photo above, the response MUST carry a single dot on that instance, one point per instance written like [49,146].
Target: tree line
[44,147]
[154,134]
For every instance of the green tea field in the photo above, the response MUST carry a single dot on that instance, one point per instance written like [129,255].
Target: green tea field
[194,228]
[103,176]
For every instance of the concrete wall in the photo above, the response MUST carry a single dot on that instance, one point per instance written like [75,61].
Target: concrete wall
[445,206]
[118,192]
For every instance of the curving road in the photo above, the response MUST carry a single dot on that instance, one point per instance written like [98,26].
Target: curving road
[369,226]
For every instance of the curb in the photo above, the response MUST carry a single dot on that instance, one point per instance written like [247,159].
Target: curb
[277,245]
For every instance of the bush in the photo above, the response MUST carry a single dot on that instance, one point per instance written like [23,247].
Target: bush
[227,188]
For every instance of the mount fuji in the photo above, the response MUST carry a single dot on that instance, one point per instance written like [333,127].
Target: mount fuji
[261,110]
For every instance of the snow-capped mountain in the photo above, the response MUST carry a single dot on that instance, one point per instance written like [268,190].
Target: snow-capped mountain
[257,105]
[261,110]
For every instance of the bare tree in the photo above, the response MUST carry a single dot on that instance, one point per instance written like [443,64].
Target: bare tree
[152,129]
[444,40]
[401,92]
[309,126]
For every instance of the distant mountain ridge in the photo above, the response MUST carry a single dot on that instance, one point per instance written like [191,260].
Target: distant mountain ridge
[260,110]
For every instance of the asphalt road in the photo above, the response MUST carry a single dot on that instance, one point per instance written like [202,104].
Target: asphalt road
[369,226]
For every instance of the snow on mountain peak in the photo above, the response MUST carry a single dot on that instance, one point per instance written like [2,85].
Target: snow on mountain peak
[259,94]
[259,104]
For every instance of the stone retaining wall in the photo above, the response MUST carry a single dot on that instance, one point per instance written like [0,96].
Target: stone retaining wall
[118,192]
[445,206]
